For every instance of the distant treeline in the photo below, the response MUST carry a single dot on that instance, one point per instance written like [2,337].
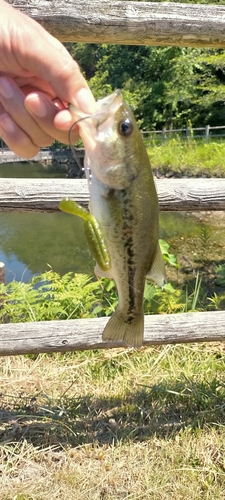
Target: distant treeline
[167,87]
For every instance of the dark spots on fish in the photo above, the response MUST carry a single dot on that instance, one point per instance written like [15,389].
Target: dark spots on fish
[129,246]
[110,193]
[130,319]
[129,240]
[130,254]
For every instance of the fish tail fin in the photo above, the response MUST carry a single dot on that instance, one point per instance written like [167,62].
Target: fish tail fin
[131,333]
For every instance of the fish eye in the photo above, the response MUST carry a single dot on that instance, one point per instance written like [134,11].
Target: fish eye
[125,127]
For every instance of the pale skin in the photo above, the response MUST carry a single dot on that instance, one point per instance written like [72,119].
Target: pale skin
[38,78]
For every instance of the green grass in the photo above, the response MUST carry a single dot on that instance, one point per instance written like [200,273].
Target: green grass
[195,158]
[114,425]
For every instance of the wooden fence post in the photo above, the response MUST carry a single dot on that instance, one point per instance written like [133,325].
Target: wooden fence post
[188,133]
[207,128]
[2,273]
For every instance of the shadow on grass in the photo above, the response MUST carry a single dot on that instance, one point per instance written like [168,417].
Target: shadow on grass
[161,410]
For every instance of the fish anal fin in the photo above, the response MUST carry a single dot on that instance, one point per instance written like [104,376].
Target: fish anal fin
[131,333]
[157,272]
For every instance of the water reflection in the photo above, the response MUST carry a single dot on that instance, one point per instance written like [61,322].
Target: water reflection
[34,170]
[29,242]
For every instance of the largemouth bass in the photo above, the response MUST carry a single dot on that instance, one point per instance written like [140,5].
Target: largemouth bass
[123,201]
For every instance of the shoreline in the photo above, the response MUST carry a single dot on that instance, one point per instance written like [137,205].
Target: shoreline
[65,156]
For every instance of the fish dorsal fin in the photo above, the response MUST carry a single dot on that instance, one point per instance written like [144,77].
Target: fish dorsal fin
[157,272]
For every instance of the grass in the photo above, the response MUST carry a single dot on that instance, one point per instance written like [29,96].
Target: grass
[195,158]
[111,425]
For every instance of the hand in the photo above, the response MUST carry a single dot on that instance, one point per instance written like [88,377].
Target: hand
[38,78]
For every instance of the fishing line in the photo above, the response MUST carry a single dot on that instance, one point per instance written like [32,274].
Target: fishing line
[75,155]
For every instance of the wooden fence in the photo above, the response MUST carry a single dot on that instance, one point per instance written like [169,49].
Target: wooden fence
[150,136]
[204,133]
[125,23]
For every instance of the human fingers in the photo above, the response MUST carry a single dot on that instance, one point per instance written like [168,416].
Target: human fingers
[64,77]
[44,111]
[12,100]
[51,62]
[15,138]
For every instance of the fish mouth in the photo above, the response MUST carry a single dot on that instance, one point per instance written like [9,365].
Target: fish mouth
[107,107]
[108,101]
[91,125]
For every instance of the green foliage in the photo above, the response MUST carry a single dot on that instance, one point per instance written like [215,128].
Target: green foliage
[205,237]
[107,298]
[165,86]
[216,302]
[167,256]
[191,158]
[220,275]
[47,297]
[171,300]
[51,296]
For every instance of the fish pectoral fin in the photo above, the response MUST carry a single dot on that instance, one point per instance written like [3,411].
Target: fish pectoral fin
[100,273]
[131,333]
[157,272]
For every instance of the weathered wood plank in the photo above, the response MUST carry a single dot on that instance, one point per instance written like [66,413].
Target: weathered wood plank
[140,23]
[83,334]
[45,194]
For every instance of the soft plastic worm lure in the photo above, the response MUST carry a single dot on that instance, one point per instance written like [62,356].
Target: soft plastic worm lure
[92,229]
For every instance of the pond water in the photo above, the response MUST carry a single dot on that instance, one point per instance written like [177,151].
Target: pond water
[31,242]
[33,170]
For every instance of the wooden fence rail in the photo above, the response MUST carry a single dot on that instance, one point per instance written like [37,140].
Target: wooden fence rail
[206,133]
[83,334]
[185,133]
[135,23]
[174,194]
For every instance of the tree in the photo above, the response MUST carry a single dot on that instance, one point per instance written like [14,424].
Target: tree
[165,86]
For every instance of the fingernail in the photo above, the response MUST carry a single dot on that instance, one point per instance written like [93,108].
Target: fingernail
[36,106]
[6,88]
[7,124]
[85,100]
[63,120]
